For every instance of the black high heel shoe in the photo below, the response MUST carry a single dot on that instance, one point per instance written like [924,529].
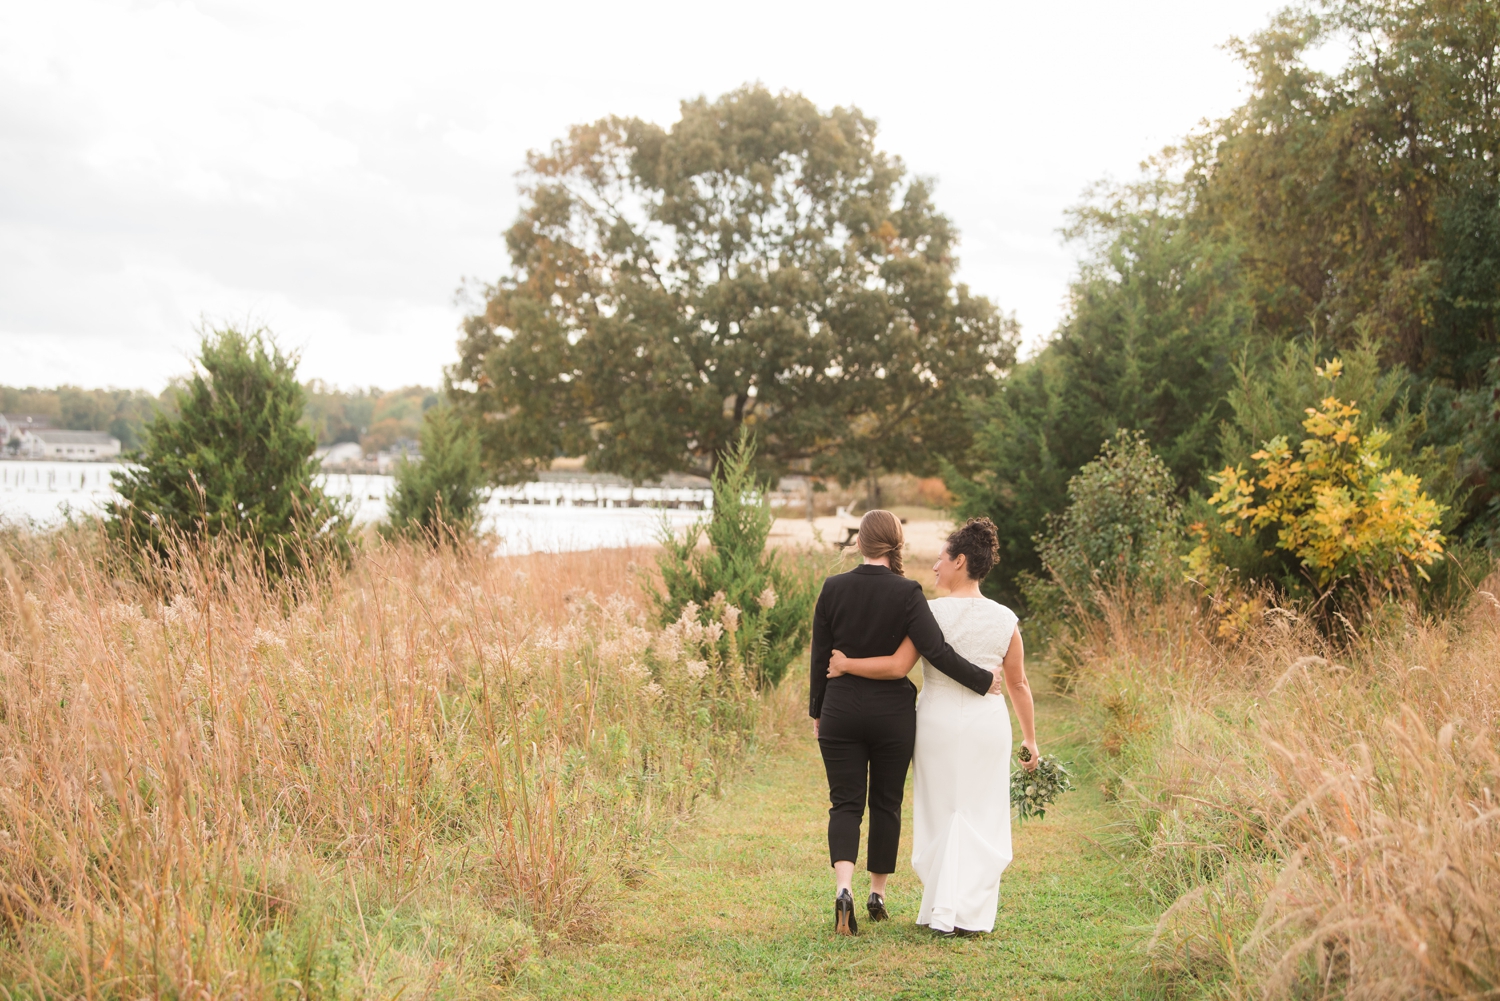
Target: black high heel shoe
[876,907]
[843,914]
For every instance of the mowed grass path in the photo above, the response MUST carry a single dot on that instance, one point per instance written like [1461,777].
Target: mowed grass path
[739,905]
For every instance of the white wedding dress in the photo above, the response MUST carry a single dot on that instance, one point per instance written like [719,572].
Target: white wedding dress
[961,841]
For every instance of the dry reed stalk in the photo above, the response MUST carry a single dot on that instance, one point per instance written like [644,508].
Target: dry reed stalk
[1320,819]
[248,791]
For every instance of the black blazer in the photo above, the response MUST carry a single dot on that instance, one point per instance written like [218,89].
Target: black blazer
[867,612]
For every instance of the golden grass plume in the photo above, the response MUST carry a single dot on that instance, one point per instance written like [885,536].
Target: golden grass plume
[1318,819]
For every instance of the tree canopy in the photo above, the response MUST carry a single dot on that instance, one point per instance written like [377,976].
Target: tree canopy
[1158,318]
[1366,199]
[1348,210]
[761,263]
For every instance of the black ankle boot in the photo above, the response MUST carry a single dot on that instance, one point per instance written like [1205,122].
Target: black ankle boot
[843,914]
[876,907]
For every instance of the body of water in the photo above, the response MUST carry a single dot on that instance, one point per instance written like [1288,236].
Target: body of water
[531,517]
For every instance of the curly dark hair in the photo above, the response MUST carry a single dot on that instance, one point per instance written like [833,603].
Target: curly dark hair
[979,542]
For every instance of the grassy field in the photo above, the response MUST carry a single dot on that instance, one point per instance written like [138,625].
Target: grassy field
[737,904]
[396,783]
[442,775]
[1313,817]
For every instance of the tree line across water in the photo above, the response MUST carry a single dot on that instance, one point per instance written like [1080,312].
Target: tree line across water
[377,419]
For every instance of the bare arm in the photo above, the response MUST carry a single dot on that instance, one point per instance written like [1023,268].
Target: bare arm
[897,665]
[1019,688]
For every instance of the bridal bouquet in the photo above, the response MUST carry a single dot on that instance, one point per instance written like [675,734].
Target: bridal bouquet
[1032,792]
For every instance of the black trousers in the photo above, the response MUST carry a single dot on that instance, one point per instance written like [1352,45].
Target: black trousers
[866,733]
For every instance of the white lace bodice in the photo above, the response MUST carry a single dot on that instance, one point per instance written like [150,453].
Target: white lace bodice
[978,628]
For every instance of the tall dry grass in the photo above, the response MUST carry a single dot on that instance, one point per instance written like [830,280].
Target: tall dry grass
[399,779]
[1316,820]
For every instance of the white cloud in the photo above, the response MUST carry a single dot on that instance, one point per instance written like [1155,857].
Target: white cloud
[336,168]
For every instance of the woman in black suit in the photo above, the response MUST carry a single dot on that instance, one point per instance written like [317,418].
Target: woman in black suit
[866,727]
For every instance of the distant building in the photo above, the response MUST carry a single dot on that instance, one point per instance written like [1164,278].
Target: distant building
[345,453]
[402,448]
[68,446]
[350,457]
[16,423]
[12,426]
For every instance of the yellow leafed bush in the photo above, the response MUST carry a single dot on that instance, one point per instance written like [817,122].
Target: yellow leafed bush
[1335,503]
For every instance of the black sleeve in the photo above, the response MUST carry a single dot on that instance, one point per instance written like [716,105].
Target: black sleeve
[822,650]
[927,636]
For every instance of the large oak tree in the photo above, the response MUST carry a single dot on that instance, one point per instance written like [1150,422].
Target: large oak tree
[762,263]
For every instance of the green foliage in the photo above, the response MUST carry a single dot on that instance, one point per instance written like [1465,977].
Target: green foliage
[1352,209]
[1273,402]
[1157,318]
[1362,197]
[440,494]
[236,460]
[759,264]
[1467,423]
[1122,528]
[1273,398]
[336,416]
[375,419]
[1367,204]
[774,596]
[1466,320]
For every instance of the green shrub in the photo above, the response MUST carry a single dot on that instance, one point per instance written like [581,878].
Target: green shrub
[1121,528]
[774,595]
[440,495]
[1472,418]
[236,460]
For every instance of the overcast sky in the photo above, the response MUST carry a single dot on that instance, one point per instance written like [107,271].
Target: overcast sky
[334,170]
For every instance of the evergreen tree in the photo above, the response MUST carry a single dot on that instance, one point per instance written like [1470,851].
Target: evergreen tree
[1157,320]
[440,494]
[236,460]
[775,596]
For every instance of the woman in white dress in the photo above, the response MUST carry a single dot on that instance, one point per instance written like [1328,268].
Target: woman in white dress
[962,821]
